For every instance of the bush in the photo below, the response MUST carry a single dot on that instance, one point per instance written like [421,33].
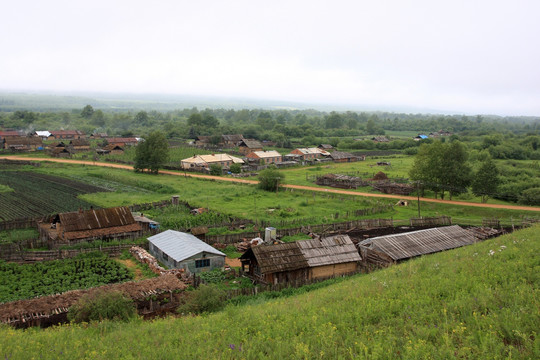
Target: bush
[207,298]
[530,196]
[235,168]
[102,305]
[269,179]
[215,169]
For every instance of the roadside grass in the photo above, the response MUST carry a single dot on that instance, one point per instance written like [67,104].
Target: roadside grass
[476,302]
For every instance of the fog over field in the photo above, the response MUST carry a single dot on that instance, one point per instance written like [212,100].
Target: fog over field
[460,56]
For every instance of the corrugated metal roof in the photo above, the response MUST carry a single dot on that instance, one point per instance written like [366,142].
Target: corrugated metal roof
[180,246]
[415,243]
[266,154]
[214,158]
[331,250]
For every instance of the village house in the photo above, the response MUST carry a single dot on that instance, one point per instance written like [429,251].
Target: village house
[67,134]
[178,250]
[98,136]
[340,156]
[79,145]
[420,137]
[231,140]
[384,250]
[123,141]
[267,157]
[249,145]
[87,225]
[301,261]
[204,161]
[380,139]
[22,143]
[308,154]
[42,134]
[10,133]
[112,149]
[325,147]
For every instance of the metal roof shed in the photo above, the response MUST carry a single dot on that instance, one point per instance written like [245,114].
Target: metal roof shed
[184,251]
[415,243]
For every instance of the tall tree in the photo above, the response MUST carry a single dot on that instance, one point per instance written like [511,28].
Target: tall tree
[87,111]
[442,167]
[486,180]
[152,153]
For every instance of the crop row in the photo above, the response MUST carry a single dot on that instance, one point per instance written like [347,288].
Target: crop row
[38,194]
[52,277]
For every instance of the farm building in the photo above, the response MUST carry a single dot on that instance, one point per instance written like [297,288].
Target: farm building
[23,143]
[249,145]
[310,153]
[204,161]
[326,147]
[42,134]
[147,225]
[340,156]
[301,261]
[420,137]
[80,144]
[60,152]
[123,142]
[380,139]
[231,140]
[10,133]
[407,245]
[67,134]
[74,227]
[267,157]
[184,251]
[111,149]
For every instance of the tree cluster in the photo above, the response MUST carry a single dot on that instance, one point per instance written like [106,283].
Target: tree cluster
[152,153]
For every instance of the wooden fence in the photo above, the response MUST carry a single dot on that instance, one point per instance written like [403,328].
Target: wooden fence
[320,229]
[431,221]
[45,255]
[19,224]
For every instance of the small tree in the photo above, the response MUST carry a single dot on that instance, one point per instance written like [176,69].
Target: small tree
[486,180]
[270,178]
[235,168]
[152,153]
[102,305]
[87,111]
[215,169]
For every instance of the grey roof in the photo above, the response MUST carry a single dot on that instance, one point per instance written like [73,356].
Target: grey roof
[415,243]
[180,246]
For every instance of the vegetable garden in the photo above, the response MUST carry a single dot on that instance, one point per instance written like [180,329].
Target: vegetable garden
[37,194]
[51,277]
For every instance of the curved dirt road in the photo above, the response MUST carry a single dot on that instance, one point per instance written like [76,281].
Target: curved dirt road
[289,186]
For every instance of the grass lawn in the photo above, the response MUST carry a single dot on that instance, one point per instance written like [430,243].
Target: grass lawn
[476,302]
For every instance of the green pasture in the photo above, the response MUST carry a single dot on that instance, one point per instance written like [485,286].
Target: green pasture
[246,201]
[476,302]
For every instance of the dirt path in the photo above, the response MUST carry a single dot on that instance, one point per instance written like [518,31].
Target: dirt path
[132,266]
[299,187]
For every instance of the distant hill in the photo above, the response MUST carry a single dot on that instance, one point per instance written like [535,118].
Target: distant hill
[476,302]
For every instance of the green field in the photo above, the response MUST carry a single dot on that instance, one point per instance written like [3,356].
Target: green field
[476,302]
[53,277]
[37,194]
[246,201]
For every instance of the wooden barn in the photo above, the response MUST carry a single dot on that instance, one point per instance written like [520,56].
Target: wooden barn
[397,247]
[249,145]
[340,156]
[67,134]
[23,143]
[178,250]
[231,140]
[301,261]
[80,145]
[75,227]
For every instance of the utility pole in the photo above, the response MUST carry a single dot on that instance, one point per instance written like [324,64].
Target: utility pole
[418,194]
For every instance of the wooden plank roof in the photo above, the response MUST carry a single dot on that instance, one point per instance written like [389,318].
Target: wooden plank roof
[96,219]
[304,254]
[415,243]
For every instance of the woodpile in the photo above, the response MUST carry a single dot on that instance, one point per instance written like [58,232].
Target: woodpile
[387,187]
[145,257]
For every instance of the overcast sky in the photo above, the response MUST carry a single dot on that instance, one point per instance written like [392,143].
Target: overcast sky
[457,56]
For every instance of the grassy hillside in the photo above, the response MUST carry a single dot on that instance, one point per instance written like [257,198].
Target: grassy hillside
[477,302]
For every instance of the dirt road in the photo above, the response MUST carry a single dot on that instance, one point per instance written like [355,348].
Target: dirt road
[299,187]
